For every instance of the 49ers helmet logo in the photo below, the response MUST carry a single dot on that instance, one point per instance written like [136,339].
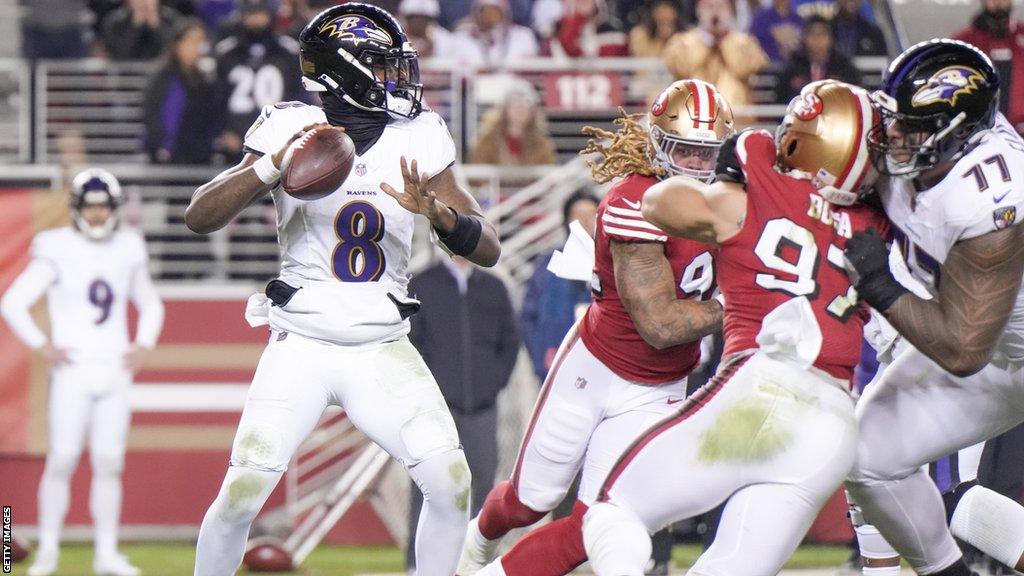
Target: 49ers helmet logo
[658,108]
[806,107]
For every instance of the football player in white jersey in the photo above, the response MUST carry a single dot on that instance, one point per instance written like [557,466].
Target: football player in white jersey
[338,310]
[955,196]
[88,271]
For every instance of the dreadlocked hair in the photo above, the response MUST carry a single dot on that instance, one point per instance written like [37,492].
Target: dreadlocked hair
[629,151]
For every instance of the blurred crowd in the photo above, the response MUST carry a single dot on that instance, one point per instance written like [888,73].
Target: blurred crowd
[217,62]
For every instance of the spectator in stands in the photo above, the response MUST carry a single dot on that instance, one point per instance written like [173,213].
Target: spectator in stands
[54,29]
[649,37]
[716,52]
[1002,38]
[256,67]
[777,28]
[139,30]
[515,132]
[553,304]
[180,102]
[585,31]
[492,39]
[466,333]
[816,60]
[546,15]
[854,34]
[430,39]
[828,9]
[301,12]
[214,12]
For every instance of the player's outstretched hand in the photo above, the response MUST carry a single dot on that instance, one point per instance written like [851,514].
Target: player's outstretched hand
[53,354]
[279,155]
[133,357]
[866,259]
[417,199]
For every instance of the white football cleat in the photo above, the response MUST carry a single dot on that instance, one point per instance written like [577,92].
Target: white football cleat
[45,564]
[477,551]
[116,565]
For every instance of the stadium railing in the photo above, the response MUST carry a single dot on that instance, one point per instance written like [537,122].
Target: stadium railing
[94,108]
[15,111]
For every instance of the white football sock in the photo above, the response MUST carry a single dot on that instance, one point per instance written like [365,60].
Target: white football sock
[991,523]
[54,494]
[225,528]
[882,571]
[910,514]
[493,569]
[477,551]
[105,501]
[445,482]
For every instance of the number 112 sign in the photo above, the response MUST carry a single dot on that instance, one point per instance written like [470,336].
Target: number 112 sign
[583,91]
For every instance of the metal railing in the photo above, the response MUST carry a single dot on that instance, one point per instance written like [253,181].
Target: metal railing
[92,108]
[15,111]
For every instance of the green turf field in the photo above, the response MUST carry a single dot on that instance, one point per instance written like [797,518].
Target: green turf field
[177,559]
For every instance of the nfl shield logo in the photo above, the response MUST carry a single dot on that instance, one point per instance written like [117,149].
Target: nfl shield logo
[360,169]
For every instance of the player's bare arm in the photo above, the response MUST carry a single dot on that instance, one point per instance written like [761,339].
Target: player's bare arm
[958,330]
[217,202]
[442,201]
[980,282]
[644,281]
[687,208]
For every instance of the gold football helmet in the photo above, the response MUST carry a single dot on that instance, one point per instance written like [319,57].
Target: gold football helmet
[688,122]
[824,135]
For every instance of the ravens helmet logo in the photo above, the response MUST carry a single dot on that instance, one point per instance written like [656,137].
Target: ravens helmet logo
[356,27]
[947,85]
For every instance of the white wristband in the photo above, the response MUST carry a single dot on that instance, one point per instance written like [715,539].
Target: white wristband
[265,170]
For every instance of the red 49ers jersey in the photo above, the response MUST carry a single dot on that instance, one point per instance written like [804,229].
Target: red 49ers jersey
[792,245]
[607,329]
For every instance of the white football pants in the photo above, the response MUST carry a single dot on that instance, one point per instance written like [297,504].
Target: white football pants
[772,438]
[88,398]
[916,413]
[388,393]
[586,415]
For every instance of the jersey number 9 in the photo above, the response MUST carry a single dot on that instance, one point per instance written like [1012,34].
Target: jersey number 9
[101,296]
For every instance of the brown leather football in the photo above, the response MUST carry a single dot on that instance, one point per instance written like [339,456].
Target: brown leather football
[267,554]
[317,164]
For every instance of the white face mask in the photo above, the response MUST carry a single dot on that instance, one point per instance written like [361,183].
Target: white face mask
[98,231]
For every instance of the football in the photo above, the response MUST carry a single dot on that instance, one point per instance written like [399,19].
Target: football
[318,163]
[267,554]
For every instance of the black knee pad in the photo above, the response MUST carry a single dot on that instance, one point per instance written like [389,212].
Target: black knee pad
[952,498]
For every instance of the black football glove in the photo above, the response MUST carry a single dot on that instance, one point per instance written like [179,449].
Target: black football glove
[866,259]
[727,167]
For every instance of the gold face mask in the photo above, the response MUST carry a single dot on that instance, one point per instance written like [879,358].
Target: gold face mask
[688,122]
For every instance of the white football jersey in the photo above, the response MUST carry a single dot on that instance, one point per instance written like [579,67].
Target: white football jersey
[90,284]
[349,251]
[984,192]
